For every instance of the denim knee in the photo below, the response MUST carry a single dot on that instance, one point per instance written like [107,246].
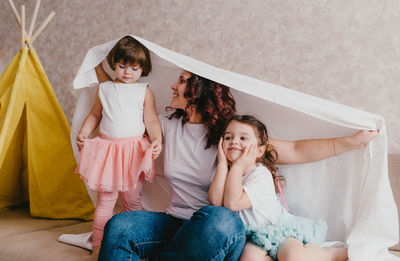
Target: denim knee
[119,225]
[222,220]
[113,225]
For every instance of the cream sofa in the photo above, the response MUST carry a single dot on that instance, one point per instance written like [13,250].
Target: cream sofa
[23,238]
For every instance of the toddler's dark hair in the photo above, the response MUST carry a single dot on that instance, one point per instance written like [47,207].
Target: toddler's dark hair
[128,50]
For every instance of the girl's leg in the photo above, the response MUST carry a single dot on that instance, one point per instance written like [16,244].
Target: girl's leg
[294,250]
[338,253]
[103,212]
[131,200]
[134,234]
[253,252]
[212,233]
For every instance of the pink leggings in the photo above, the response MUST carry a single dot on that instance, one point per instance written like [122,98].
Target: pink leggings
[105,207]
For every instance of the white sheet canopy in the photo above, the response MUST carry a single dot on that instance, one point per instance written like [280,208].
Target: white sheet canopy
[351,192]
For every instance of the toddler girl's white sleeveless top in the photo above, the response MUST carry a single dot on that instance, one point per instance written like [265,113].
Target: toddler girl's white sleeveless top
[122,109]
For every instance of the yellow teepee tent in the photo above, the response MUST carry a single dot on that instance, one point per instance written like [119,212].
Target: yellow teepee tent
[36,159]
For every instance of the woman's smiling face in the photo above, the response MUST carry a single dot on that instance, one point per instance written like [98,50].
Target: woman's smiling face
[178,100]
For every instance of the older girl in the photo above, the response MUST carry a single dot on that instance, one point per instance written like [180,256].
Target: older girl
[246,181]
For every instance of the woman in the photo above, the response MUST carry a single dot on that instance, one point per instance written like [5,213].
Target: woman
[190,229]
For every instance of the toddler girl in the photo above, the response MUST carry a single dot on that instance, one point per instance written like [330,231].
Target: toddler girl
[120,158]
[246,181]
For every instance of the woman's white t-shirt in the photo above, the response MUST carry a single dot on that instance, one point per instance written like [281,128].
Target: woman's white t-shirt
[188,166]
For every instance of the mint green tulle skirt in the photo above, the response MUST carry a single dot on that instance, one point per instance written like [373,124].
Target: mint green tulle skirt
[270,237]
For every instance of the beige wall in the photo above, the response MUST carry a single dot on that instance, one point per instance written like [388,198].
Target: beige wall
[344,51]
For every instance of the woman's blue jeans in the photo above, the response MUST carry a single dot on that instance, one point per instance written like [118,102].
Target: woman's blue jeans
[212,233]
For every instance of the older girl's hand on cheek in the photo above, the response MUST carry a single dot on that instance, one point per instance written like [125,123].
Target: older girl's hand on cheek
[247,159]
[221,154]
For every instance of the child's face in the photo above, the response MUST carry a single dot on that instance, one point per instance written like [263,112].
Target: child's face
[127,73]
[237,137]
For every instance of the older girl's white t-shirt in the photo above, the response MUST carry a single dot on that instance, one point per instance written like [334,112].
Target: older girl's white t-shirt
[188,166]
[265,205]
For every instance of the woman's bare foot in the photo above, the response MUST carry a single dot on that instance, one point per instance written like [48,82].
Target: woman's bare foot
[95,250]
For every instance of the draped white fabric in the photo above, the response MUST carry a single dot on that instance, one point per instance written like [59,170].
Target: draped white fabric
[351,191]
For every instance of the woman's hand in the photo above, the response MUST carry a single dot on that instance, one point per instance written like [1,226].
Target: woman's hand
[362,138]
[156,148]
[357,141]
[221,155]
[247,158]
[80,140]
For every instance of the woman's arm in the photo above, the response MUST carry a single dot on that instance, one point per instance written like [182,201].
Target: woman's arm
[91,122]
[152,122]
[303,151]
[216,190]
[102,76]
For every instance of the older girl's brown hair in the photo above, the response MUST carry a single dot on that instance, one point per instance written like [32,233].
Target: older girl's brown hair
[130,51]
[213,101]
[270,155]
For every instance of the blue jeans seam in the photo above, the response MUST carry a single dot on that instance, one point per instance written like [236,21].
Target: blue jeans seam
[150,242]
[230,243]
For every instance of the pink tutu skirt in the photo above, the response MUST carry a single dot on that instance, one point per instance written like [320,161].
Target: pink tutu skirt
[115,164]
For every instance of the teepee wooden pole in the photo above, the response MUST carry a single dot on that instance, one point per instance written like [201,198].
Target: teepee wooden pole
[35,13]
[24,36]
[15,12]
[22,25]
[42,26]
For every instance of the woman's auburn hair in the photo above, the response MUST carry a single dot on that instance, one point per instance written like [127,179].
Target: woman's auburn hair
[130,51]
[270,155]
[213,101]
